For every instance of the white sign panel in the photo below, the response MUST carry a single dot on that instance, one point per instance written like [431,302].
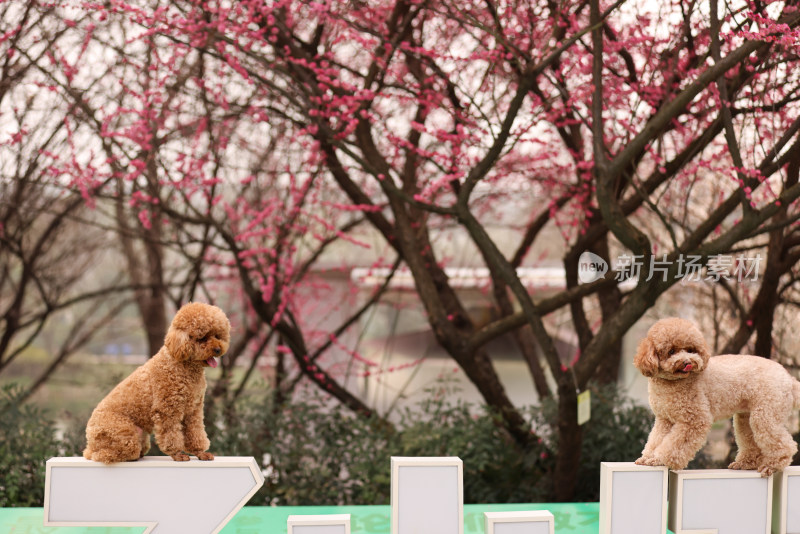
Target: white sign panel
[535,522]
[633,498]
[427,495]
[786,502]
[154,492]
[319,524]
[720,501]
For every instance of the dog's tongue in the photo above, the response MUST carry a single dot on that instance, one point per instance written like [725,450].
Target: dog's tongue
[211,362]
[686,369]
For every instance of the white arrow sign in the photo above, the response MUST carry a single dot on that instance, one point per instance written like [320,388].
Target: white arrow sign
[156,492]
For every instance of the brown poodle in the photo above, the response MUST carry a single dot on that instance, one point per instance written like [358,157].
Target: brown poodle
[163,396]
[690,390]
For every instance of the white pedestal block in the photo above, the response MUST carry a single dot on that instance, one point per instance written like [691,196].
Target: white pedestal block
[427,495]
[786,502]
[156,492]
[633,498]
[319,524]
[536,522]
[720,501]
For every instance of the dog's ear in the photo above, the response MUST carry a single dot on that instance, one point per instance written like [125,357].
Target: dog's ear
[704,352]
[646,359]
[178,344]
[697,343]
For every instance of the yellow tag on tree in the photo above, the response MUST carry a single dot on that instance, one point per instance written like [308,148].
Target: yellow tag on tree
[584,406]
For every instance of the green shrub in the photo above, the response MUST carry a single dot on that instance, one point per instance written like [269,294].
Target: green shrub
[28,440]
[315,452]
[496,468]
[311,452]
[616,432]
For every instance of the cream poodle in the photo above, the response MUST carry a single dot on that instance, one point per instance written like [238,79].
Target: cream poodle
[689,390]
[164,396]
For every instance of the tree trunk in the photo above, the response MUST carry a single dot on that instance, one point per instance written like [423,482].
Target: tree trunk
[151,301]
[480,371]
[570,437]
[143,254]
[762,311]
[610,301]
[526,341]
[527,345]
[154,318]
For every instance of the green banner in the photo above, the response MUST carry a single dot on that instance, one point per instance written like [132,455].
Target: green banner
[577,518]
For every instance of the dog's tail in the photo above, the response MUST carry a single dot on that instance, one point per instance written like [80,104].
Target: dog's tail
[796,394]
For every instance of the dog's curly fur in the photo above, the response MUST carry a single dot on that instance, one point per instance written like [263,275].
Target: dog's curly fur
[164,396]
[689,390]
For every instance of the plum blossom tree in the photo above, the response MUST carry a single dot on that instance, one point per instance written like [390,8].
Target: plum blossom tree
[48,247]
[259,134]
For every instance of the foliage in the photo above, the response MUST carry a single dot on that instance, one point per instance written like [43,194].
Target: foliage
[314,452]
[29,439]
[616,432]
[496,468]
[311,452]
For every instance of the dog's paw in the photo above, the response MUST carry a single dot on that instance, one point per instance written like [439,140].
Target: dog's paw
[180,457]
[674,462]
[772,464]
[743,465]
[648,460]
[747,461]
[205,456]
[767,470]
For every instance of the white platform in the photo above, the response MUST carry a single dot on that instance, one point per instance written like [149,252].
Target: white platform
[720,501]
[531,522]
[633,498]
[427,495]
[786,501]
[155,492]
[318,524]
